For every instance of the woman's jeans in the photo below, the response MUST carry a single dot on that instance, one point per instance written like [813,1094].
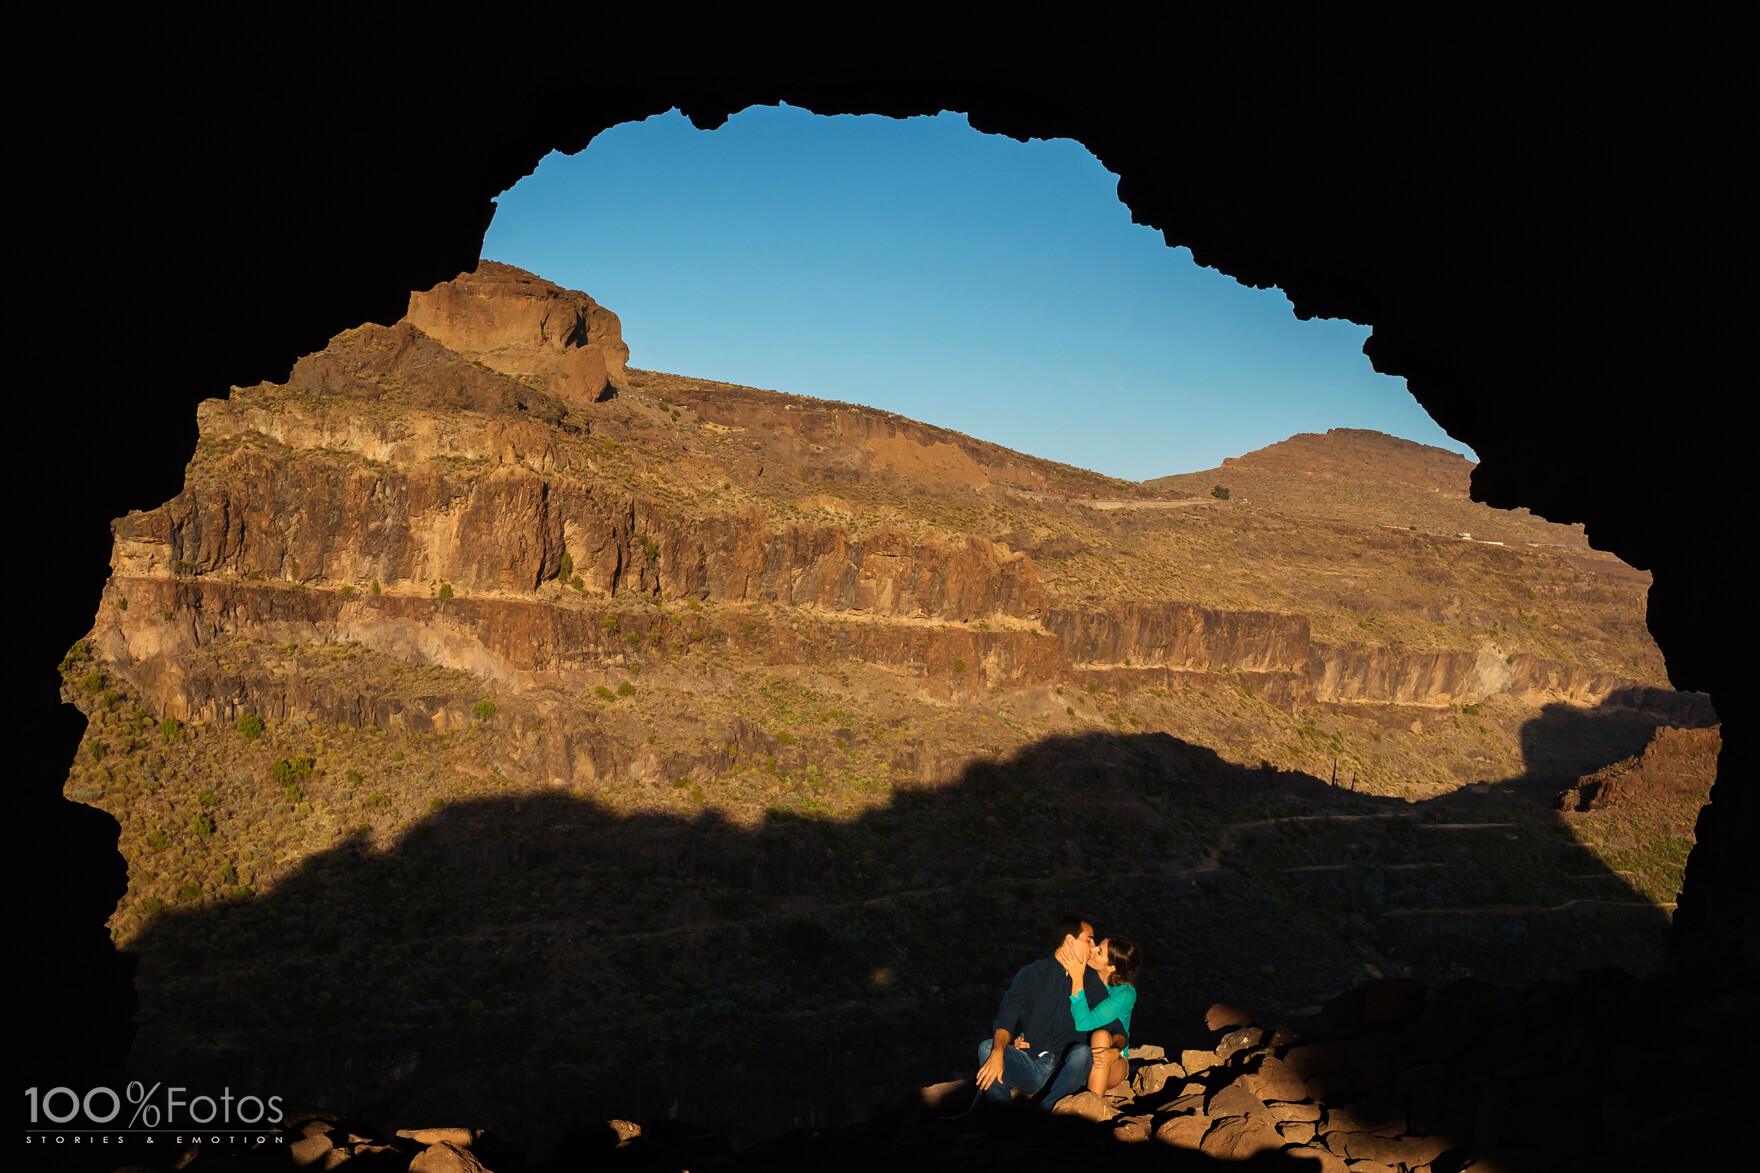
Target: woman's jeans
[1029,1071]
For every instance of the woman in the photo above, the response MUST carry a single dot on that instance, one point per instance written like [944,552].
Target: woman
[1115,960]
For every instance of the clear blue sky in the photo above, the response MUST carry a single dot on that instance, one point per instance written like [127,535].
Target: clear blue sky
[994,287]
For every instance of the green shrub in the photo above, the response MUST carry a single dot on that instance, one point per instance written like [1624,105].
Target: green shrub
[397,755]
[75,655]
[374,587]
[92,681]
[634,669]
[171,729]
[240,892]
[281,770]
[203,826]
[578,583]
[158,840]
[377,800]
[1070,709]
[347,592]
[228,873]
[303,766]
[635,639]
[141,720]
[97,751]
[251,726]
[650,547]
[111,698]
[654,638]
[445,591]
[189,893]
[626,689]
[787,738]
[295,795]
[355,777]
[959,665]
[122,604]
[717,633]
[207,798]
[436,803]
[604,694]
[747,628]
[166,615]
[151,906]
[611,624]
[1220,493]
[483,710]
[566,567]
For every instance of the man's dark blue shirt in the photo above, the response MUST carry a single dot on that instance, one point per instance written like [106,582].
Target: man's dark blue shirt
[1037,1006]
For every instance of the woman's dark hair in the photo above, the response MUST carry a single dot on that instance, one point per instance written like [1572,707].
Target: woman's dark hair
[1124,958]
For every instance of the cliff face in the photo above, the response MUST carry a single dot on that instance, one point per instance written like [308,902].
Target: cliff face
[457,491]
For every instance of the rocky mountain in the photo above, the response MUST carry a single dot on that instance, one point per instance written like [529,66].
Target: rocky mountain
[473,667]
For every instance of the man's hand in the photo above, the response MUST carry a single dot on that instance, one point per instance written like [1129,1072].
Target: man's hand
[990,1071]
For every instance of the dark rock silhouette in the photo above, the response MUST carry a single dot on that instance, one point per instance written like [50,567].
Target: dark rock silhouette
[1474,224]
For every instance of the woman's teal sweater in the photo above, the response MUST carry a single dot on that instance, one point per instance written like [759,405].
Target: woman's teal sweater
[1119,1003]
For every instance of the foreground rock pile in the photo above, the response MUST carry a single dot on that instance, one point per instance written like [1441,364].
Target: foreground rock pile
[1603,1072]
[1609,1071]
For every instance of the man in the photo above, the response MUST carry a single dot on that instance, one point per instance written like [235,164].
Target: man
[1056,1058]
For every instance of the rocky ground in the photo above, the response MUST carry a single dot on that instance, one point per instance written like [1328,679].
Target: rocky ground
[473,668]
[1604,1072]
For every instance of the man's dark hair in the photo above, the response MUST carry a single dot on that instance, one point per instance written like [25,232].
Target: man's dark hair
[1067,926]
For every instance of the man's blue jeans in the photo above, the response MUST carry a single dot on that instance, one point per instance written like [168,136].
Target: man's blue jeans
[1029,1071]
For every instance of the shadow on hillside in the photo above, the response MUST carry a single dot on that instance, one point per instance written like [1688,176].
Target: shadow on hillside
[531,963]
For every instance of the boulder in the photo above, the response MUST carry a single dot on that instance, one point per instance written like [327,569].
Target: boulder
[1239,1040]
[1241,1137]
[1191,1102]
[1369,1146]
[1319,1158]
[1308,1112]
[939,1099]
[1186,1132]
[1195,1061]
[1222,1016]
[462,1137]
[1132,1129]
[1148,1052]
[446,1158]
[1234,1100]
[1152,1077]
[1297,1131]
[311,1149]
[1086,1105]
[1274,1079]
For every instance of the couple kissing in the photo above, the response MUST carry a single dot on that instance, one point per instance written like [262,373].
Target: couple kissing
[1065,1022]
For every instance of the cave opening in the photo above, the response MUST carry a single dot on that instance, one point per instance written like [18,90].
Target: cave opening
[1692,590]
